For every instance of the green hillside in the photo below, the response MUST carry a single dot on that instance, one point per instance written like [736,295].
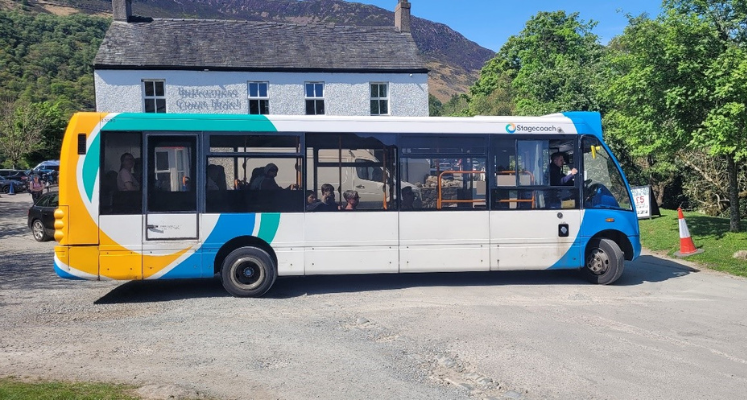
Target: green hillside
[46,57]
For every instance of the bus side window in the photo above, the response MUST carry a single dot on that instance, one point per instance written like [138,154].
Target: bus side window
[115,148]
[524,172]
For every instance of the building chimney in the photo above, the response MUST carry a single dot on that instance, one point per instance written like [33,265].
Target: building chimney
[402,16]
[122,10]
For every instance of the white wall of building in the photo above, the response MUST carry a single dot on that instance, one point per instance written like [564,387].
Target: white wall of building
[227,92]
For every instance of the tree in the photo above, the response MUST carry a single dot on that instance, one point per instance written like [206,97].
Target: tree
[679,83]
[21,126]
[435,107]
[553,65]
[498,101]
[637,92]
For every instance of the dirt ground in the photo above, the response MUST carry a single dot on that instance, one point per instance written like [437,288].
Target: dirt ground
[666,330]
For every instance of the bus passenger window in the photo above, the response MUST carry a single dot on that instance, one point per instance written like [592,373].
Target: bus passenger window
[120,191]
[534,173]
[444,173]
[348,162]
[255,173]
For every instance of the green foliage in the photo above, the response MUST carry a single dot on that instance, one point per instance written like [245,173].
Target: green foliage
[21,129]
[435,107]
[499,101]
[553,65]
[45,57]
[457,106]
[678,83]
[46,61]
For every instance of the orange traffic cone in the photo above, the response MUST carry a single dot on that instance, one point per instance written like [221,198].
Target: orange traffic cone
[687,247]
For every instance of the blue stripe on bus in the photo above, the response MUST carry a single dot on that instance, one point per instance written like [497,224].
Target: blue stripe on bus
[65,275]
[595,222]
[228,226]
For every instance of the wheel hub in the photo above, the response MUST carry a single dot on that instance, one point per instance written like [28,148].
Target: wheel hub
[598,262]
[248,272]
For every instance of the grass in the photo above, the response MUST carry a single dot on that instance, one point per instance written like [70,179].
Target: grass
[16,389]
[708,233]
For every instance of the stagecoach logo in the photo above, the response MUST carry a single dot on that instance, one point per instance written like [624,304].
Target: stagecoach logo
[511,128]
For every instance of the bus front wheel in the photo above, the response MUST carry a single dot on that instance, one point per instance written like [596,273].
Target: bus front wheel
[248,272]
[604,261]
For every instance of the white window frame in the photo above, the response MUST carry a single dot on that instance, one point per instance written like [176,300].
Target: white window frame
[258,98]
[155,97]
[380,99]
[315,97]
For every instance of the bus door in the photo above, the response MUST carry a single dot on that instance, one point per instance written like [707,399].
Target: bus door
[121,206]
[443,218]
[535,213]
[170,231]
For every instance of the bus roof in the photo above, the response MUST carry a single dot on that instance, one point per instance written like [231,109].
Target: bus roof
[568,123]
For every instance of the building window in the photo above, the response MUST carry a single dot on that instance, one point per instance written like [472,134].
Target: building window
[314,98]
[379,99]
[154,97]
[259,102]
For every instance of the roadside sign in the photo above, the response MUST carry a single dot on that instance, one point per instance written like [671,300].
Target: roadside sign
[643,197]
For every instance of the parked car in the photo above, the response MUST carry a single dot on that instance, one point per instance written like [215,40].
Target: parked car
[41,216]
[18,186]
[17,174]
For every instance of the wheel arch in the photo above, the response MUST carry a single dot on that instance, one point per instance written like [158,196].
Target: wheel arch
[618,237]
[241,241]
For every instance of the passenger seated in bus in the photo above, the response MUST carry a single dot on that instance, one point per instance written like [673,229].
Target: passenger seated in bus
[351,200]
[408,199]
[125,180]
[255,179]
[557,160]
[311,199]
[267,180]
[328,200]
[215,179]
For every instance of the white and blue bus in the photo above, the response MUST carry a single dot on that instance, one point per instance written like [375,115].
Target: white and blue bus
[247,197]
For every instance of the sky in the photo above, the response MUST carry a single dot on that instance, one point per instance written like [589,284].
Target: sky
[490,23]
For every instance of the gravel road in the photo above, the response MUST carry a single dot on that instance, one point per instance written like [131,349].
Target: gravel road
[665,331]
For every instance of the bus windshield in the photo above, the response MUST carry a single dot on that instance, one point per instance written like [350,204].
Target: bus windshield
[604,186]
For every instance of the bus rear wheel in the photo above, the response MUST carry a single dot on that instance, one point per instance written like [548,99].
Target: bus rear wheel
[604,261]
[248,272]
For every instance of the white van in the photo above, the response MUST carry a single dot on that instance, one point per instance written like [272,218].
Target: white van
[361,171]
[49,165]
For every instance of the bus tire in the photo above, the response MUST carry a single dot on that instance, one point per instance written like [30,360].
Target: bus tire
[248,272]
[605,261]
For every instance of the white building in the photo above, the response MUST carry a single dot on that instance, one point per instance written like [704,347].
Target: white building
[229,66]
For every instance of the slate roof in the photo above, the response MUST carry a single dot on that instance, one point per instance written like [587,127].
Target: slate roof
[228,45]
